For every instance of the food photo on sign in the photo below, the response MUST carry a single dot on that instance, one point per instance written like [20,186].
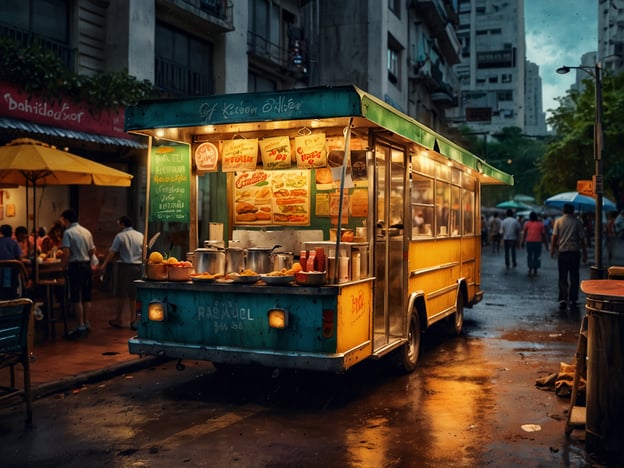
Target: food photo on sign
[267,197]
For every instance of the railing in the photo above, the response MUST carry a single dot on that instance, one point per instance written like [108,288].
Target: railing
[179,80]
[28,39]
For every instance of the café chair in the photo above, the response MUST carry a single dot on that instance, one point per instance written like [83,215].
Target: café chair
[54,285]
[13,279]
[15,316]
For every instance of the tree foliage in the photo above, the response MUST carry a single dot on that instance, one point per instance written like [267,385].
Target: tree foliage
[569,156]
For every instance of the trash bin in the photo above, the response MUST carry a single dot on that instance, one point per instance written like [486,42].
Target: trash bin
[604,424]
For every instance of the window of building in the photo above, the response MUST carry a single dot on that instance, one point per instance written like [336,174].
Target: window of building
[256,83]
[395,7]
[506,78]
[178,69]
[493,79]
[35,16]
[506,95]
[393,65]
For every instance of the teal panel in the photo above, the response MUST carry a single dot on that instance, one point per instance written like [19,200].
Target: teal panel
[231,319]
[309,103]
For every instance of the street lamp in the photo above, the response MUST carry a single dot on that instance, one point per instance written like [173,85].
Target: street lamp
[597,270]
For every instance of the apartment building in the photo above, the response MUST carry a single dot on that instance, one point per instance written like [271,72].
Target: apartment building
[611,35]
[491,72]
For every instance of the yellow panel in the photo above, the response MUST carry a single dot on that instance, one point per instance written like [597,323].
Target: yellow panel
[354,316]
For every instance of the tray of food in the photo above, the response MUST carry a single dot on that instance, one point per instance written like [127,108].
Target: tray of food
[204,277]
[245,277]
[277,279]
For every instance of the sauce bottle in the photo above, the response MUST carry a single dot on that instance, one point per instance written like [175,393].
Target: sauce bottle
[303,260]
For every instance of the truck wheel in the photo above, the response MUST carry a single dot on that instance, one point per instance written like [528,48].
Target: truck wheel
[406,356]
[458,316]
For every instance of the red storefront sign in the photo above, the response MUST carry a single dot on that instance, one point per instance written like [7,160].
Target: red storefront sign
[63,113]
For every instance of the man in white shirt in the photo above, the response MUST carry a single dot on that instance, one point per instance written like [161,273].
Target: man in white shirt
[511,234]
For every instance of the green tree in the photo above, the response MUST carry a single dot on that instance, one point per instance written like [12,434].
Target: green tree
[569,155]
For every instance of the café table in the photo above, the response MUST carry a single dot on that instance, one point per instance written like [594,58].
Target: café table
[51,278]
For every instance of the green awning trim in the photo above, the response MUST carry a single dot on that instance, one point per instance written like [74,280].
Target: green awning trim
[300,104]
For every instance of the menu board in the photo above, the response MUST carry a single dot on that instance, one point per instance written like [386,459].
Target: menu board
[272,197]
[170,183]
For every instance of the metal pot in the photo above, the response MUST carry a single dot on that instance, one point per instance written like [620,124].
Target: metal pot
[235,259]
[282,260]
[209,260]
[258,259]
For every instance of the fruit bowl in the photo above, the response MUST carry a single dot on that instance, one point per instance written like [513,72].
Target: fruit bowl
[156,271]
[179,273]
[311,278]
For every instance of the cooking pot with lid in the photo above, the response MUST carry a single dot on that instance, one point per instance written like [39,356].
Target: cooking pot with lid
[235,259]
[258,259]
[209,260]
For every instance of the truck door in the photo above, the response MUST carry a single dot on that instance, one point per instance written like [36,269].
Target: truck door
[389,319]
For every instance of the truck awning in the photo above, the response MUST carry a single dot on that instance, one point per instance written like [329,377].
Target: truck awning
[257,111]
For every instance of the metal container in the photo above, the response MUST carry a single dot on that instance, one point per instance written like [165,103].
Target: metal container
[282,260]
[235,259]
[209,260]
[258,259]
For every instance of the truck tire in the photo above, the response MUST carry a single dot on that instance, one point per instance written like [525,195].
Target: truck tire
[406,356]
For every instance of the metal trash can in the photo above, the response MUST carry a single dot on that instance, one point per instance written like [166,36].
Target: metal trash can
[604,425]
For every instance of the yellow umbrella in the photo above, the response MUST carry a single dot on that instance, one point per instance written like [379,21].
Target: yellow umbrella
[25,161]
[29,162]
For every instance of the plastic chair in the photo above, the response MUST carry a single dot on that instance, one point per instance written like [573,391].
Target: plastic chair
[15,316]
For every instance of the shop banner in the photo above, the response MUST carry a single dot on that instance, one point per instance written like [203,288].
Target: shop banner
[62,112]
[170,182]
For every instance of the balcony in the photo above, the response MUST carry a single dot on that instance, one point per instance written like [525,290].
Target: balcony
[178,80]
[291,61]
[28,39]
[207,16]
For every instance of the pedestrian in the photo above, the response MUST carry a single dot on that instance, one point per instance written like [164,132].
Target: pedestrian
[548,225]
[9,248]
[78,248]
[484,231]
[611,235]
[25,241]
[568,240]
[511,236]
[619,224]
[494,228]
[127,251]
[533,235]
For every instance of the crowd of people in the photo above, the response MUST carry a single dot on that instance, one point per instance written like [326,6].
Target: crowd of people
[71,243]
[566,238]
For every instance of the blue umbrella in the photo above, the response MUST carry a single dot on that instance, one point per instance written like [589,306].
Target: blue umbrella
[580,202]
[514,205]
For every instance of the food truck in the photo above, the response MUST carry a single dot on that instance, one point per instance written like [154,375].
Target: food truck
[248,187]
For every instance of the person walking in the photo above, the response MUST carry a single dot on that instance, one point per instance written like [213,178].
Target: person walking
[568,239]
[611,235]
[533,235]
[494,229]
[78,247]
[511,235]
[127,251]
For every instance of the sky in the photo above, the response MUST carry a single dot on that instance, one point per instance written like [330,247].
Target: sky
[559,32]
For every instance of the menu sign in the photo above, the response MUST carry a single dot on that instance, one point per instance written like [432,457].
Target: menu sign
[267,197]
[170,183]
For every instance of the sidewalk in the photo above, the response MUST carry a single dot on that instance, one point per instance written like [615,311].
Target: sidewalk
[60,364]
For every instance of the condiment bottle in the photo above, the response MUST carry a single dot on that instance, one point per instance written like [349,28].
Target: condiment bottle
[320,259]
[303,260]
[310,263]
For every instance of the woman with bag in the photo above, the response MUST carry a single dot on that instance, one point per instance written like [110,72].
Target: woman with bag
[533,235]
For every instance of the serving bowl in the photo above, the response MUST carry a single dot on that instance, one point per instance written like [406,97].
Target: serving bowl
[311,278]
[277,280]
[156,271]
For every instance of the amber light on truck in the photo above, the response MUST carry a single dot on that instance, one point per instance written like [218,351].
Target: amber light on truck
[157,311]
[278,318]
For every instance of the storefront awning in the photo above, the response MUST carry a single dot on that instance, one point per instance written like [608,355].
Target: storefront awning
[22,127]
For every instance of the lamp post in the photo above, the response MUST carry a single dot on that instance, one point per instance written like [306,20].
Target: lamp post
[597,271]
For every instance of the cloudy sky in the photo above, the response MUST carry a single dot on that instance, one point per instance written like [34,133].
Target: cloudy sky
[559,32]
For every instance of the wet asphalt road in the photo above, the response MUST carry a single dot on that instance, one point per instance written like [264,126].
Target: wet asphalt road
[465,405]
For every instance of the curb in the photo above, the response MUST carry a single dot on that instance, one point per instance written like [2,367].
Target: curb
[97,375]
